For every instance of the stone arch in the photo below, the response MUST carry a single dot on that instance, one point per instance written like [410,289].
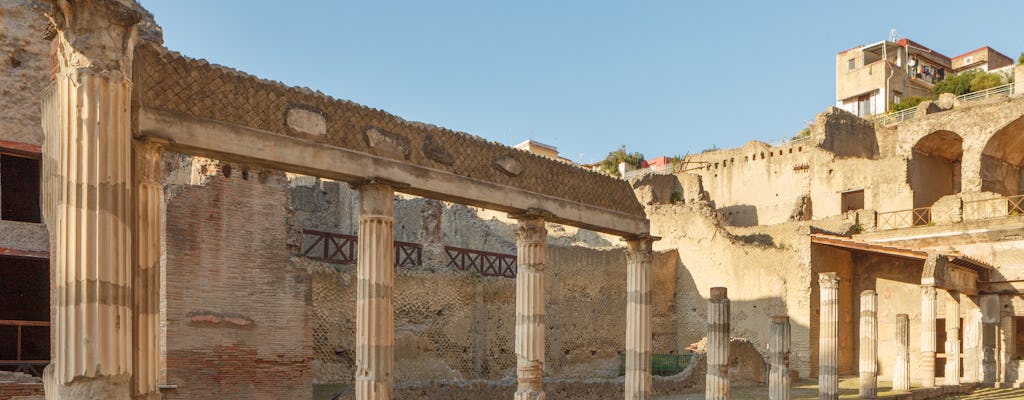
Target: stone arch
[934,169]
[1002,160]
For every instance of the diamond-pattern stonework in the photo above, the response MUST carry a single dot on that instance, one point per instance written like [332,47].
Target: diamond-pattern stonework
[169,81]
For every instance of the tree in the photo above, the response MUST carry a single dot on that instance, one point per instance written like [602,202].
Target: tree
[956,84]
[610,165]
[1020,60]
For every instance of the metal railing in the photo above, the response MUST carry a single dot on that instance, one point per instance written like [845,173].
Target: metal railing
[339,248]
[903,115]
[484,263]
[903,218]
[993,208]
[30,366]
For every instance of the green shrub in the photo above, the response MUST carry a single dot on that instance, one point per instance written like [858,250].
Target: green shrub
[986,80]
[957,84]
[610,165]
[1020,60]
[806,132]
[908,102]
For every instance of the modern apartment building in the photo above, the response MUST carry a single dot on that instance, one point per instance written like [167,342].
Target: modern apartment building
[871,77]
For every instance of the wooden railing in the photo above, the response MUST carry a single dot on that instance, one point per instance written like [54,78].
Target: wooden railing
[484,263]
[903,218]
[994,208]
[20,364]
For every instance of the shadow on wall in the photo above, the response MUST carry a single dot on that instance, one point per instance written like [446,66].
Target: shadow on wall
[739,215]
[750,315]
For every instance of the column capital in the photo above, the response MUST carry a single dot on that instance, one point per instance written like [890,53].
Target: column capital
[828,280]
[640,248]
[96,34]
[148,153]
[531,231]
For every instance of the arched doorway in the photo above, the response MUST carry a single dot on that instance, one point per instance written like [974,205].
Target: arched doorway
[1001,160]
[935,167]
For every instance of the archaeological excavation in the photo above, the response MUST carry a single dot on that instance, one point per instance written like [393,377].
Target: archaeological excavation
[172,228]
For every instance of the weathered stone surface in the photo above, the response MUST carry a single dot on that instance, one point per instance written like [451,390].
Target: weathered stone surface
[508,165]
[306,120]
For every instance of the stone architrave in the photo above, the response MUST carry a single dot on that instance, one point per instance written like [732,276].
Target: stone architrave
[952,372]
[531,243]
[149,236]
[375,279]
[717,381]
[779,381]
[638,318]
[868,344]
[828,349]
[928,336]
[901,371]
[89,205]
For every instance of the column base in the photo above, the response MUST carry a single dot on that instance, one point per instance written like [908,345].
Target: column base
[529,394]
[103,387]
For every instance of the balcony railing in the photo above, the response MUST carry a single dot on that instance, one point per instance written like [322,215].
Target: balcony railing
[339,248]
[993,208]
[903,218]
[22,362]
[903,115]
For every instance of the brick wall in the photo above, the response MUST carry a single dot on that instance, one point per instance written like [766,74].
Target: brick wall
[12,390]
[238,323]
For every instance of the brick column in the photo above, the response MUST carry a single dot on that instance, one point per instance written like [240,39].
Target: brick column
[89,212]
[779,381]
[146,299]
[716,385]
[953,340]
[927,336]
[375,274]
[828,349]
[868,344]
[901,371]
[638,318]
[531,243]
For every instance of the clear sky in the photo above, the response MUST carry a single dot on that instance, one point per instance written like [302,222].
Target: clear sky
[662,78]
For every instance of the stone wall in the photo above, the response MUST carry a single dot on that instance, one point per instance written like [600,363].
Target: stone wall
[24,69]
[237,320]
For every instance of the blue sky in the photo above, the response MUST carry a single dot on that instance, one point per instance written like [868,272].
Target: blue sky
[662,78]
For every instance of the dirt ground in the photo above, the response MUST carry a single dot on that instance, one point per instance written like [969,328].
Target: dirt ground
[808,389]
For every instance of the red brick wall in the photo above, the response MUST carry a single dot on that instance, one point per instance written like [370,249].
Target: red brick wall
[238,322]
[10,390]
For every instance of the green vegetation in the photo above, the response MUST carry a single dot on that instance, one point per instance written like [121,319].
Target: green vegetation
[1020,60]
[968,82]
[908,102]
[675,197]
[806,132]
[610,165]
[662,364]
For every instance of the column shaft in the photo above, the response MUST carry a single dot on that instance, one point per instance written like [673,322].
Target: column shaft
[717,381]
[1008,347]
[146,299]
[927,336]
[972,341]
[779,381]
[375,274]
[952,373]
[531,242]
[828,350]
[638,319]
[868,344]
[901,371]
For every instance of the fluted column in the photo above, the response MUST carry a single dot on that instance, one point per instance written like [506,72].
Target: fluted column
[901,371]
[531,243]
[952,372]
[375,275]
[1008,347]
[779,381]
[146,299]
[89,170]
[717,383]
[927,336]
[638,318]
[828,350]
[972,341]
[868,344]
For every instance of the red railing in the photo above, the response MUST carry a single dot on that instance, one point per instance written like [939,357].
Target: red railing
[20,364]
[904,218]
[482,262]
[340,248]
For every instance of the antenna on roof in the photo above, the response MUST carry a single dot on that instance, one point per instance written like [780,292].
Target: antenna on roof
[893,36]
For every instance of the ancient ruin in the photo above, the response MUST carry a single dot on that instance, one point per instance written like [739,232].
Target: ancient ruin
[176,229]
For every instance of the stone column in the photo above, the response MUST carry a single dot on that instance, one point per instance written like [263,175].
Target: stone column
[779,382]
[375,277]
[927,336]
[1008,347]
[148,238]
[868,344]
[89,213]
[952,372]
[717,380]
[828,349]
[972,341]
[638,318]
[901,371]
[531,243]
